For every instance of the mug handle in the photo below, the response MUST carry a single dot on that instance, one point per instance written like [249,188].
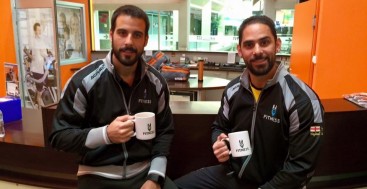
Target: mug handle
[133,120]
[228,163]
[226,141]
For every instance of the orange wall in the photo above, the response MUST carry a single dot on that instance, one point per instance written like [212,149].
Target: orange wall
[341,48]
[301,54]
[339,43]
[7,43]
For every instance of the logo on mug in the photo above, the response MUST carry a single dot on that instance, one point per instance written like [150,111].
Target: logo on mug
[149,126]
[241,143]
[149,130]
[242,149]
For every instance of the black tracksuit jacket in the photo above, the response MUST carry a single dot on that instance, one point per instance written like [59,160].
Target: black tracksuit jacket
[285,127]
[93,98]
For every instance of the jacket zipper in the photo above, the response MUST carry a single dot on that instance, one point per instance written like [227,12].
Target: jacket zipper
[127,107]
[254,111]
[126,155]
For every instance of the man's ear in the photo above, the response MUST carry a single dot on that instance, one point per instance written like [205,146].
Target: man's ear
[111,34]
[239,51]
[278,44]
[146,40]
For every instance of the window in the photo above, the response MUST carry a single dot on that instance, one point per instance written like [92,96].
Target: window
[161,31]
[214,24]
[284,25]
[102,30]
[197,25]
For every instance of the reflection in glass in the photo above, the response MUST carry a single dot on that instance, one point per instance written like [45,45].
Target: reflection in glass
[211,25]
[161,31]
[284,26]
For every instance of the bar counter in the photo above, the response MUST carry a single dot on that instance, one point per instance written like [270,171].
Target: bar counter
[26,157]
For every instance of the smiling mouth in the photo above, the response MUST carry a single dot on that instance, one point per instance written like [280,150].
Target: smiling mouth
[128,52]
[259,61]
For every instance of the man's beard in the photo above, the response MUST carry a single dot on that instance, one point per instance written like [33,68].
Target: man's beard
[127,60]
[264,69]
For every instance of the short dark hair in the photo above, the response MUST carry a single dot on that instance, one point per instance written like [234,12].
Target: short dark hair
[130,10]
[35,25]
[262,19]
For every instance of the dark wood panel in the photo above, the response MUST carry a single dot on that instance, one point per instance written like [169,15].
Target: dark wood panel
[47,116]
[37,166]
[342,162]
[191,146]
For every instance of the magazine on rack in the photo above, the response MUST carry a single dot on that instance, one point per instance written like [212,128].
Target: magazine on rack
[357,98]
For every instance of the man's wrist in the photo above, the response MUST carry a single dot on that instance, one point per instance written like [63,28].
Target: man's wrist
[156,178]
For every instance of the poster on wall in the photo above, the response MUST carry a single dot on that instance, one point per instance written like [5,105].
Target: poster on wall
[11,79]
[71,32]
[36,42]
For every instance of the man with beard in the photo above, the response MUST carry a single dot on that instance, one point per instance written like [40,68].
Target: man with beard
[94,116]
[283,116]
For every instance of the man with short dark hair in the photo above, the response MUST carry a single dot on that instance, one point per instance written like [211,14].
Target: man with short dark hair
[284,118]
[94,117]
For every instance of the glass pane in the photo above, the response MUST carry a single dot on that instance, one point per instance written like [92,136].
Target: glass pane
[215,21]
[153,42]
[162,35]
[214,25]
[168,40]
[195,21]
[211,25]
[284,25]
[104,23]
[102,30]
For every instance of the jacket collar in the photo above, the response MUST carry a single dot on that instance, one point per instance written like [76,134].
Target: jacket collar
[279,75]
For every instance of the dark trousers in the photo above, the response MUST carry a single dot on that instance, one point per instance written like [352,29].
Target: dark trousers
[214,177]
[98,182]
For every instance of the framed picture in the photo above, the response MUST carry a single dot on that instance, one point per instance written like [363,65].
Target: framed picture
[71,32]
[12,79]
[38,62]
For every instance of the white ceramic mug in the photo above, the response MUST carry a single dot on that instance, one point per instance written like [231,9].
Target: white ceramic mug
[240,144]
[144,125]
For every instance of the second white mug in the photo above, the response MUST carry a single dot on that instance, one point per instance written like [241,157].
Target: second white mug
[240,144]
[145,125]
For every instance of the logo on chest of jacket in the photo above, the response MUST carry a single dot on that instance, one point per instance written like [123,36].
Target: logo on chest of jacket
[273,112]
[144,100]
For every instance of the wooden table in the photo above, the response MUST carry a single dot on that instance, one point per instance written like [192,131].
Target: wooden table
[196,89]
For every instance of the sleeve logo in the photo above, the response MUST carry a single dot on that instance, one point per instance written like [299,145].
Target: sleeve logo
[315,131]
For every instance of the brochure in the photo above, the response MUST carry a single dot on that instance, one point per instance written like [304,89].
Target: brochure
[357,98]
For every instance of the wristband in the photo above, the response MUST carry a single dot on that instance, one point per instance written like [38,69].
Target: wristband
[156,178]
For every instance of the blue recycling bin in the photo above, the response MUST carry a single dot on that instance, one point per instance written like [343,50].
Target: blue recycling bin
[11,108]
